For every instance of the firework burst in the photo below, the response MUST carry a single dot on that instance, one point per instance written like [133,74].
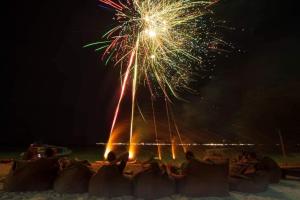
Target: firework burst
[159,43]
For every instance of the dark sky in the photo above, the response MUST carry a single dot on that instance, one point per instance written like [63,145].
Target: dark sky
[55,91]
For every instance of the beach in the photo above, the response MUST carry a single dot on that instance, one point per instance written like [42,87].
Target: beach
[286,190]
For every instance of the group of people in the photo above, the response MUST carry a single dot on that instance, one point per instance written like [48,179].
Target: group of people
[154,165]
[33,152]
[253,173]
[154,179]
[248,163]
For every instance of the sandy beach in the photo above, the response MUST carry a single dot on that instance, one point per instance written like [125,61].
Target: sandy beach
[286,190]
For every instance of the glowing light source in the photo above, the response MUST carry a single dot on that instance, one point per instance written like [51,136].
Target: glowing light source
[159,152]
[112,140]
[107,150]
[133,144]
[131,154]
[151,33]
[173,149]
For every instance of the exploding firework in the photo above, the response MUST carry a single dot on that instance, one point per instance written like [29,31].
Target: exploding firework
[158,43]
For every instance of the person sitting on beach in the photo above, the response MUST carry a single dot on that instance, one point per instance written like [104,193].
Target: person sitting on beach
[190,159]
[109,180]
[182,172]
[119,162]
[251,164]
[157,168]
[245,166]
[153,164]
[243,158]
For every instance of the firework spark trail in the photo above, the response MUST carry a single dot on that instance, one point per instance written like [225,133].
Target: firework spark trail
[160,41]
[141,113]
[134,80]
[172,139]
[178,133]
[153,116]
[122,91]
[177,130]
[155,129]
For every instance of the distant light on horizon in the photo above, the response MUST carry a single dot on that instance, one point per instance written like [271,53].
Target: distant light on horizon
[173,144]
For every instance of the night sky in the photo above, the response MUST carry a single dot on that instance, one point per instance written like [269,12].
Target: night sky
[55,91]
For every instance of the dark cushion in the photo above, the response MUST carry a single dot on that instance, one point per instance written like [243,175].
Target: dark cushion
[204,179]
[153,185]
[34,175]
[109,182]
[73,179]
[272,168]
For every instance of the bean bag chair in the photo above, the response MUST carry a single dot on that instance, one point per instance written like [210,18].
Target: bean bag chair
[153,185]
[255,183]
[73,179]
[204,179]
[34,175]
[109,182]
[272,168]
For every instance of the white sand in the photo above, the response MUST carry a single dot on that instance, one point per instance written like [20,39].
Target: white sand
[286,190]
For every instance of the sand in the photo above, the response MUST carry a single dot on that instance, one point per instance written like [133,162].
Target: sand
[286,190]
